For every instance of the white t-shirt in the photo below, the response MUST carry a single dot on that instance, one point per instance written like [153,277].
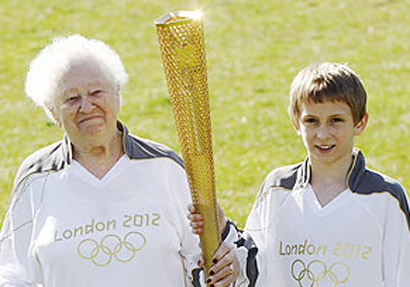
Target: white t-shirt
[355,240]
[360,238]
[68,228]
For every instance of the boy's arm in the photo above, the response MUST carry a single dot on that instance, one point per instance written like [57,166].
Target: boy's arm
[249,242]
[396,246]
[246,251]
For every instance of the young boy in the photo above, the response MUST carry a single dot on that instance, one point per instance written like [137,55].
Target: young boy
[328,221]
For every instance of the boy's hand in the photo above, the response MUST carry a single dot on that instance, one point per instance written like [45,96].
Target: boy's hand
[197,221]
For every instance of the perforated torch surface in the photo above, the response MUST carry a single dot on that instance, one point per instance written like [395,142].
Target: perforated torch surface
[181,41]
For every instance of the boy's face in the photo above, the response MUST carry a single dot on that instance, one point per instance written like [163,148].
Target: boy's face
[328,130]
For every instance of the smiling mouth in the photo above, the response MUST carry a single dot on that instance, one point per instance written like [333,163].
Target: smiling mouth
[325,148]
[88,119]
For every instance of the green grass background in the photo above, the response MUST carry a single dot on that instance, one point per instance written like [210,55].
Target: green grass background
[254,49]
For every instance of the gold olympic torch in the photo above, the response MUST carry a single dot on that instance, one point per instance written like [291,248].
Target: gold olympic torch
[181,41]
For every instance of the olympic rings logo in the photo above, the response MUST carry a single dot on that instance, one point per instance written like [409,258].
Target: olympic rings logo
[111,246]
[317,274]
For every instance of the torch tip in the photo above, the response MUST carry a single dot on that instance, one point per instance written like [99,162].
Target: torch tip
[178,17]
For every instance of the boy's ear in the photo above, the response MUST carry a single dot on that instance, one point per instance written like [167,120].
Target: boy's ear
[361,125]
[295,123]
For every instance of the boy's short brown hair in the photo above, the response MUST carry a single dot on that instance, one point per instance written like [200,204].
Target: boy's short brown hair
[324,81]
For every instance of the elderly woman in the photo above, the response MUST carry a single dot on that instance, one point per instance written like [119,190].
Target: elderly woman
[100,207]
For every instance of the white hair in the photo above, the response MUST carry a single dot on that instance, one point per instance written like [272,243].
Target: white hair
[54,60]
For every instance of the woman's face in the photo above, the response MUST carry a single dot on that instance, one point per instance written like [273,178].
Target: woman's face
[87,104]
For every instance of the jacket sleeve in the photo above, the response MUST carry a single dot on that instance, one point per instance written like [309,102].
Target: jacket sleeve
[18,266]
[396,244]
[246,252]
[190,251]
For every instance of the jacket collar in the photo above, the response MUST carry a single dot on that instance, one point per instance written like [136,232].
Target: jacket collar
[357,169]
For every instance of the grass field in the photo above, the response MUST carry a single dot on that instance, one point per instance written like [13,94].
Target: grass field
[254,49]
